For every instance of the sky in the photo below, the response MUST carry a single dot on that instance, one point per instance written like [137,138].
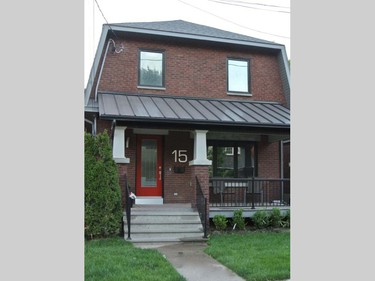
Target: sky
[263,19]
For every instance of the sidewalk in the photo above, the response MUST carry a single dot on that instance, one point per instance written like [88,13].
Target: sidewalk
[191,262]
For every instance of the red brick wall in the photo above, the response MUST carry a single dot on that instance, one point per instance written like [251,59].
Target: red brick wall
[172,182]
[184,184]
[192,70]
[268,159]
[122,171]
[179,183]
[101,125]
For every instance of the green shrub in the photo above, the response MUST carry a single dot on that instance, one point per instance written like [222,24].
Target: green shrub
[238,219]
[261,219]
[285,221]
[275,217]
[103,210]
[220,222]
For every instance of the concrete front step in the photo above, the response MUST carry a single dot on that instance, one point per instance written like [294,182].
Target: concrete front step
[167,221]
[161,214]
[178,234]
[163,208]
[139,219]
[171,223]
[165,228]
[135,239]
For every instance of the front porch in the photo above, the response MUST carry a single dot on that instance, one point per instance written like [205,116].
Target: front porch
[222,196]
[191,222]
[249,192]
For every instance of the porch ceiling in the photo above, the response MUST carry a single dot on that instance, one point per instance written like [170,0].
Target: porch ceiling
[188,110]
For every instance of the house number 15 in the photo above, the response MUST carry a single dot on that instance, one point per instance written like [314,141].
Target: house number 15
[180,155]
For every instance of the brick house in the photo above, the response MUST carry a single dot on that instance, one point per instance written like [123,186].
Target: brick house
[190,107]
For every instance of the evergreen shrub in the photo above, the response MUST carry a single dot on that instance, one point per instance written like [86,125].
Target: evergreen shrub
[285,220]
[275,217]
[238,219]
[261,219]
[220,222]
[103,210]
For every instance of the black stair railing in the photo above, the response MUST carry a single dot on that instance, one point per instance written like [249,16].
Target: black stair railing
[201,206]
[128,205]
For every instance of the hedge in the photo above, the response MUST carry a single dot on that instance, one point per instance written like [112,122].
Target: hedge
[103,211]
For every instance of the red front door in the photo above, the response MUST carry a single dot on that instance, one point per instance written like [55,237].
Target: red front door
[149,166]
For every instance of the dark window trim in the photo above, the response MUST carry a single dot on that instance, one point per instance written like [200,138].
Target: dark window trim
[235,144]
[161,51]
[248,92]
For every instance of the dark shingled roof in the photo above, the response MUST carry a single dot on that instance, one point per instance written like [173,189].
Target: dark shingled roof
[188,28]
[189,110]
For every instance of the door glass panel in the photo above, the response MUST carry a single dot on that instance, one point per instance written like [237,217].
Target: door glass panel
[149,155]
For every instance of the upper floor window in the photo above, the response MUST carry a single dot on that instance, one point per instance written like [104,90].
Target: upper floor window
[151,68]
[238,76]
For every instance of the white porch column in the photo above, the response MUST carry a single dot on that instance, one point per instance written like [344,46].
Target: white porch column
[119,145]
[200,149]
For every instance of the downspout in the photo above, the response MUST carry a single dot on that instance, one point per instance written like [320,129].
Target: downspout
[113,127]
[282,170]
[281,159]
[121,48]
[93,125]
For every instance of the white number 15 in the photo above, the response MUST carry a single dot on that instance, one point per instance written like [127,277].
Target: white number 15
[180,155]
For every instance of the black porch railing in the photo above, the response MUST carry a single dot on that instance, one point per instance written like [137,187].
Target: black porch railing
[201,206]
[128,206]
[249,192]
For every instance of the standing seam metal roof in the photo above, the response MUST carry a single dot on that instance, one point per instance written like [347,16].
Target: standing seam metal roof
[189,110]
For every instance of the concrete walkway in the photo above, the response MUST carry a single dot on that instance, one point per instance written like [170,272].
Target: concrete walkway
[191,262]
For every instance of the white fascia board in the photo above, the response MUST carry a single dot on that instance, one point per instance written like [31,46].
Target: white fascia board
[95,64]
[286,63]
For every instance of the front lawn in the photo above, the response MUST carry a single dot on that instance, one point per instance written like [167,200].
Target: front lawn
[255,255]
[116,259]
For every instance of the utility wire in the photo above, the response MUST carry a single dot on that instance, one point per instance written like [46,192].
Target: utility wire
[232,21]
[93,27]
[106,19]
[249,7]
[259,4]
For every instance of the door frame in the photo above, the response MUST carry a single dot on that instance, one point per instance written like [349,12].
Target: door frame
[142,191]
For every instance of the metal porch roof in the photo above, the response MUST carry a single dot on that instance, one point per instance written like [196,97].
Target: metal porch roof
[188,110]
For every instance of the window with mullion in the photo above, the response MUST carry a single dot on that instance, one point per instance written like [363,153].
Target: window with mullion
[239,164]
[151,68]
[238,78]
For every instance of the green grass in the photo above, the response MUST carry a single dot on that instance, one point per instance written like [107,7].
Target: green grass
[255,255]
[116,259]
